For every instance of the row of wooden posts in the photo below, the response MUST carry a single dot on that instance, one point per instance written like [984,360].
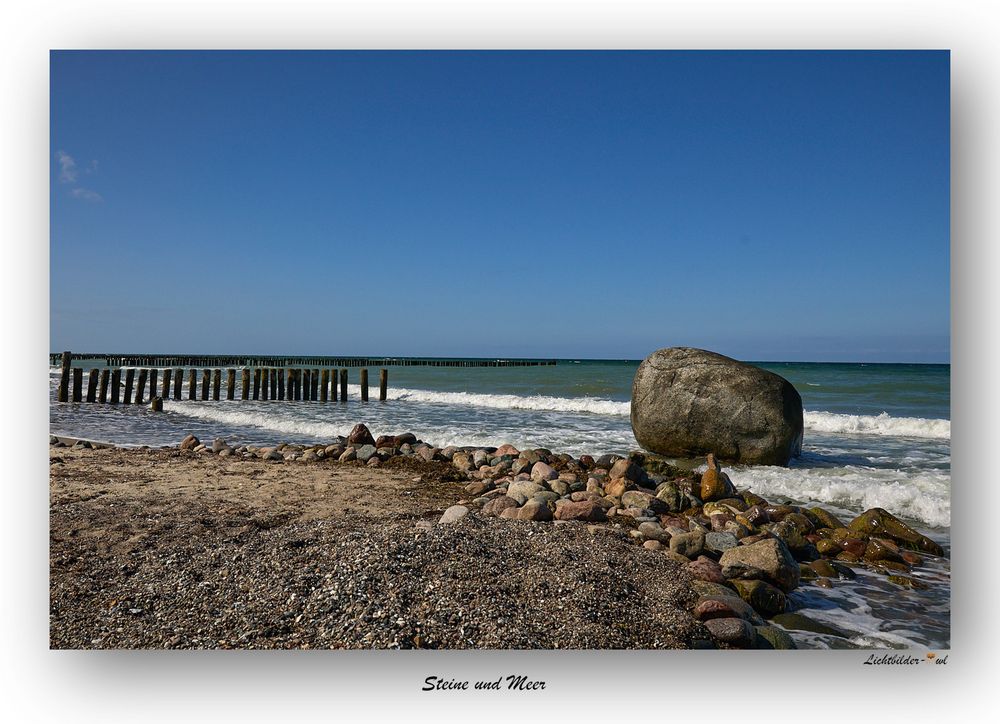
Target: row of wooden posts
[261,383]
[118,360]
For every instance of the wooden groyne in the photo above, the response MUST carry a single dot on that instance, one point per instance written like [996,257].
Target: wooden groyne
[131,360]
[256,383]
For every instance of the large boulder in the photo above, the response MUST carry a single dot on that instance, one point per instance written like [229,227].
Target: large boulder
[690,402]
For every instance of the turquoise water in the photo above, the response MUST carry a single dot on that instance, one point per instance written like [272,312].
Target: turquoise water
[876,435]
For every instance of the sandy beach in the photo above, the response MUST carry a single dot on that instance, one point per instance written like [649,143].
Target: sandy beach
[175,549]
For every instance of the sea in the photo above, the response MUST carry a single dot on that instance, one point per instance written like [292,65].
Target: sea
[876,435]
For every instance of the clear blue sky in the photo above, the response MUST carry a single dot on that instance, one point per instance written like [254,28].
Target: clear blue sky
[769,206]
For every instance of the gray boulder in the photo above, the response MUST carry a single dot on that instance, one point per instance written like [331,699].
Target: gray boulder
[689,402]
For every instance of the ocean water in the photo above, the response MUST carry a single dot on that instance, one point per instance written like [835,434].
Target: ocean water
[876,435]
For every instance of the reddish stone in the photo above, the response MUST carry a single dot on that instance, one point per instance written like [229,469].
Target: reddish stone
[588,510]
[705,569]
[360,435]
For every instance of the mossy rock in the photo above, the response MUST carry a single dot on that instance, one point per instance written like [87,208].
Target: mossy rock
[767,600]
[772,637]
[881,522]
[907,582]
[801,622]
[822,518]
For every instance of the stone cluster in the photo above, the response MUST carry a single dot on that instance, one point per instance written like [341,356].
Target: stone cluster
[743,553]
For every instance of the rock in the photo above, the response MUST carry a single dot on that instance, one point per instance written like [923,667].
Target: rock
[559,487]
[479,487]
[772,637]
[308,456]
[800,622]
[507,449]
[333,451]
[272,454]
[707,589]
[586,510]
[498,505]
[190,443]
[462,461]
[365,453]
[768,560]
[454,513]
[480,458]
[767,600]
[427,453]
[360,435]
[689,545]
[883,523]
[713,485]
[720,542]
[522,490]
[348,455]
[733,631]
[643,499]
[653,531]
[534,510]
[627,469]
[707,570]
[652,545]
[543,471]
[823,518]
[688,402]
[726,606]
[218,445]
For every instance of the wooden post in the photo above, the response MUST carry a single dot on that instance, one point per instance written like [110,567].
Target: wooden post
[245,378]
[343,385]
[383,383]
[256,383]
[297,383]
[92,386]
[265,382]
[306,383]
[279,380]
[116,385]
[156,404]
[152,384]
[231,384]
[206,377]
[67,362]
[364,384]
[324,385]
[103,394]
[129,379]
[273,373]
[165,392]
[177,384]
[77,384]
[289,384]
[140,386]
[192,384]
[216,383]
[315,390]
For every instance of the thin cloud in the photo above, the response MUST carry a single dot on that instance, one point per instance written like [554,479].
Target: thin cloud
[67,168]
[86,194]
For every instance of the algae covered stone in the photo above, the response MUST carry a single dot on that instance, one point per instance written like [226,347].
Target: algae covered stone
[768,560]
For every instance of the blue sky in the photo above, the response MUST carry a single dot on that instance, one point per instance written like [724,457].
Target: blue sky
[769,206]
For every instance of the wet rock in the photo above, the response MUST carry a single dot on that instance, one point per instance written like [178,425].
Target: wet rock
[706,570]
[713,484]
[727,606]
[772,637]
[768,560]
[190,442]
[801,622]
[882,523]
[689,402]
[720,542]
[360,435]
[735,632]
[766,599]
[823,518]
[627,469]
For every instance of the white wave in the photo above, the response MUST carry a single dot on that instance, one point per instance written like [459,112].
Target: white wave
[923,495]
[883,424]
[593,405]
